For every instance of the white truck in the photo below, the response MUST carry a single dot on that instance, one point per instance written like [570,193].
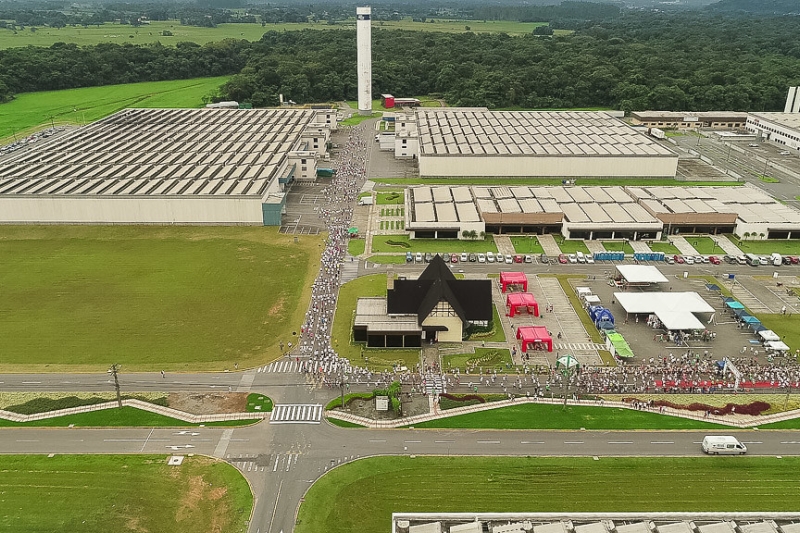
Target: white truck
[723,445]
[776,259]
[657,133]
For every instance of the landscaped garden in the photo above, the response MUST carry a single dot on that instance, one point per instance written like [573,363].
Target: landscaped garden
[403,244]
[484,359]
[665,247]
[526,244]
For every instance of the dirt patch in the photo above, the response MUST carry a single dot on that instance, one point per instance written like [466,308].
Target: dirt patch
[209,403]
[277,307]
[191,498]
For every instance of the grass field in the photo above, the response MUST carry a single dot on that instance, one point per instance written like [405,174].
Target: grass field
[666,247]
[767,247]
[119,33]
[387,259]
[487,359]
[571,246]
[536,416]
[28,111]
[349,293]
[390,198]
[705,245]
[380,244]
[125,417]
[79,298]
[110,493]
[526,244]
[353,497]
[356,246]
[618,246]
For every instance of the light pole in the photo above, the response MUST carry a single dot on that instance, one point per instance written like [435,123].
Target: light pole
[114,370]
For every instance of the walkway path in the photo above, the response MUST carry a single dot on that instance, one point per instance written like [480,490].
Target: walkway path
[594,246]
[640,247]
[683,245]
[549,245]
[504,245]
[727,246]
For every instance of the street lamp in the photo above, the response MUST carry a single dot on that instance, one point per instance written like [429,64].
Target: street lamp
[114,370]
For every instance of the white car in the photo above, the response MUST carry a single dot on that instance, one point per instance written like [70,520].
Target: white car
[572,258]
[464,257]
[763,260]
[481,258]
[419,257]
[590,259]
[689,260]
[784,152]
[509,259]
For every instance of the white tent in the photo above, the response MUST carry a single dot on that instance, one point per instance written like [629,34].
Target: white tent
[776,346]
[674,309]
[674,321]
[641,274]
[768,335]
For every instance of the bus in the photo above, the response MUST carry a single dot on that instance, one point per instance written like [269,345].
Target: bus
[753,260]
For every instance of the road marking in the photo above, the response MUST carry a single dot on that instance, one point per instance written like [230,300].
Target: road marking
[414,441]
[620,442]
[31,382]
[532,442]
[752,442]
[123,440]
[573,442]
[790,442]
[27,440]
[272,520]
[180,446]
[662,442]
[377,440]
[275,468]
[147,439]
[443,441]
[488,442]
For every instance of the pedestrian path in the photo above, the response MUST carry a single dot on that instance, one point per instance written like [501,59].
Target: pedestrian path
[594,247]
[434,384]
[349,270]
[296,413]
[683,245]
[549,245]
[504,245]
[727,246]
[284,366]
[640,247]
[580,346]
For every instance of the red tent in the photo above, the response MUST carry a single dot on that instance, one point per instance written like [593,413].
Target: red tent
[513,278]
[534,335]
[515,300]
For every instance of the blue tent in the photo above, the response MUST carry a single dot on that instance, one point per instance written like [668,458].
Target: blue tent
[749,319]
[733,304]
[604,324]
[604,316]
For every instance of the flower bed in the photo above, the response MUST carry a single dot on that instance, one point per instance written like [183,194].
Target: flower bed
[752,408]
[451,401]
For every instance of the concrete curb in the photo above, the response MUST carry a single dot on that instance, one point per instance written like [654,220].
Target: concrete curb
[138,404]
[738,421]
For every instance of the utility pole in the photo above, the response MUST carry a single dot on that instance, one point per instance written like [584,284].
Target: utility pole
[341,384]
[114,371]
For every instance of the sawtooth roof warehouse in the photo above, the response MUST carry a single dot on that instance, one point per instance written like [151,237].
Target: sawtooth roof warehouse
[167,166]
[634,213]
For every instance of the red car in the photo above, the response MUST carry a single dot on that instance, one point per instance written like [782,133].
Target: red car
[714,259]
[454,258]
[562,259]
[518,259]
[679,259]
[794,259]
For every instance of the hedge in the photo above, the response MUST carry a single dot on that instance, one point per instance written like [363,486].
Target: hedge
[753,408]
[43,405]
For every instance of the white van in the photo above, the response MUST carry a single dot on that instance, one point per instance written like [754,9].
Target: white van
[776,259]
[725,445]
[581,257]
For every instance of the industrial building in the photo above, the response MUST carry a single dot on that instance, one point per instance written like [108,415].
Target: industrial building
[682,120]
[167,166]
[478,142]
[632,213]
[780,128]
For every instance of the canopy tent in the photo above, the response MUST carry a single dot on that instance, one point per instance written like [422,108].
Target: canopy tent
[600,313]
[526,300]
[733,304]
[712,287]
[604,324]
[583,291]
[768,335]
[513,278]
[352,230]
[675,310]
[641,274]
[565,363]
[534,335]
[618,346]
[776,346]
[592,299]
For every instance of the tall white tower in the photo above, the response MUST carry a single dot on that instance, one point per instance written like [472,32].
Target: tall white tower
[364,45]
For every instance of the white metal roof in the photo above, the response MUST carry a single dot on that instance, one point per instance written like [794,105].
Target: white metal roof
[641,274]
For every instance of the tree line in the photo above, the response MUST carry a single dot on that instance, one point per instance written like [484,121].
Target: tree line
[694,61]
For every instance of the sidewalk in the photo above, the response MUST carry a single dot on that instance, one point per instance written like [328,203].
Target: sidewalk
[736,421]
[727,246]
[549,245]
[504,245]
[683,245]
[640,247]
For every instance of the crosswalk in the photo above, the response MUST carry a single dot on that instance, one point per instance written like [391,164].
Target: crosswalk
[297,413]
[434,384]
[277,462]
[580,346]
[285,366]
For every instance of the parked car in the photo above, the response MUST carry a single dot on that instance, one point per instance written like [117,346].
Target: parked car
[419,257]
[729,259]
[795,259]
[543,259]
[669,260]
[753,145]
[562,259]
[529,259]
[763,260]
[699,259]
[428,257]
[473,258]
[464,257]
[590,259]
[509,259]
[446,258]
[679,259]
[454,258]
[689,260]
[481,258]
[518,259]
[572,258]
[786,260]
[409,257]
[490,257]
[714,260]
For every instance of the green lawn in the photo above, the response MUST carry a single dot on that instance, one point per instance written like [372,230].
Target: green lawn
[344,423]
[526,245]
[764,247]
[618,246]
[125,417]
[387,259]
[563,280]
[380,244]
[788,327]
[599,182]
[705,245]
[365,286]
[499,334]
[666,247]
[390,198]
[571,246]
[116,493]
[486,358]
[353,497]
[79,298]
[77,106]
[356,246]
[259,403]
[356,119]
[535,416]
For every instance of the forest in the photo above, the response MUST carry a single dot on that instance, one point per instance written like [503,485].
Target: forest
[692,60]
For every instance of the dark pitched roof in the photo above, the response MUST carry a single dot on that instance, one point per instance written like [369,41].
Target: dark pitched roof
[470,299]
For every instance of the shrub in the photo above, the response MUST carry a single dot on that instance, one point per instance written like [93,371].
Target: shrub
[401,244]
[349,397]
[43,405]
[753,408]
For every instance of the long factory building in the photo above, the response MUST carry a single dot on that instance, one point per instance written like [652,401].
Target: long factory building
[613,212]
[167,166]
[476,142]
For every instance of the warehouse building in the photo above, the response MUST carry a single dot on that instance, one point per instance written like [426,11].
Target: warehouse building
[631,213]
[167,166]
[478,142]
[682,120]
[780,128]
